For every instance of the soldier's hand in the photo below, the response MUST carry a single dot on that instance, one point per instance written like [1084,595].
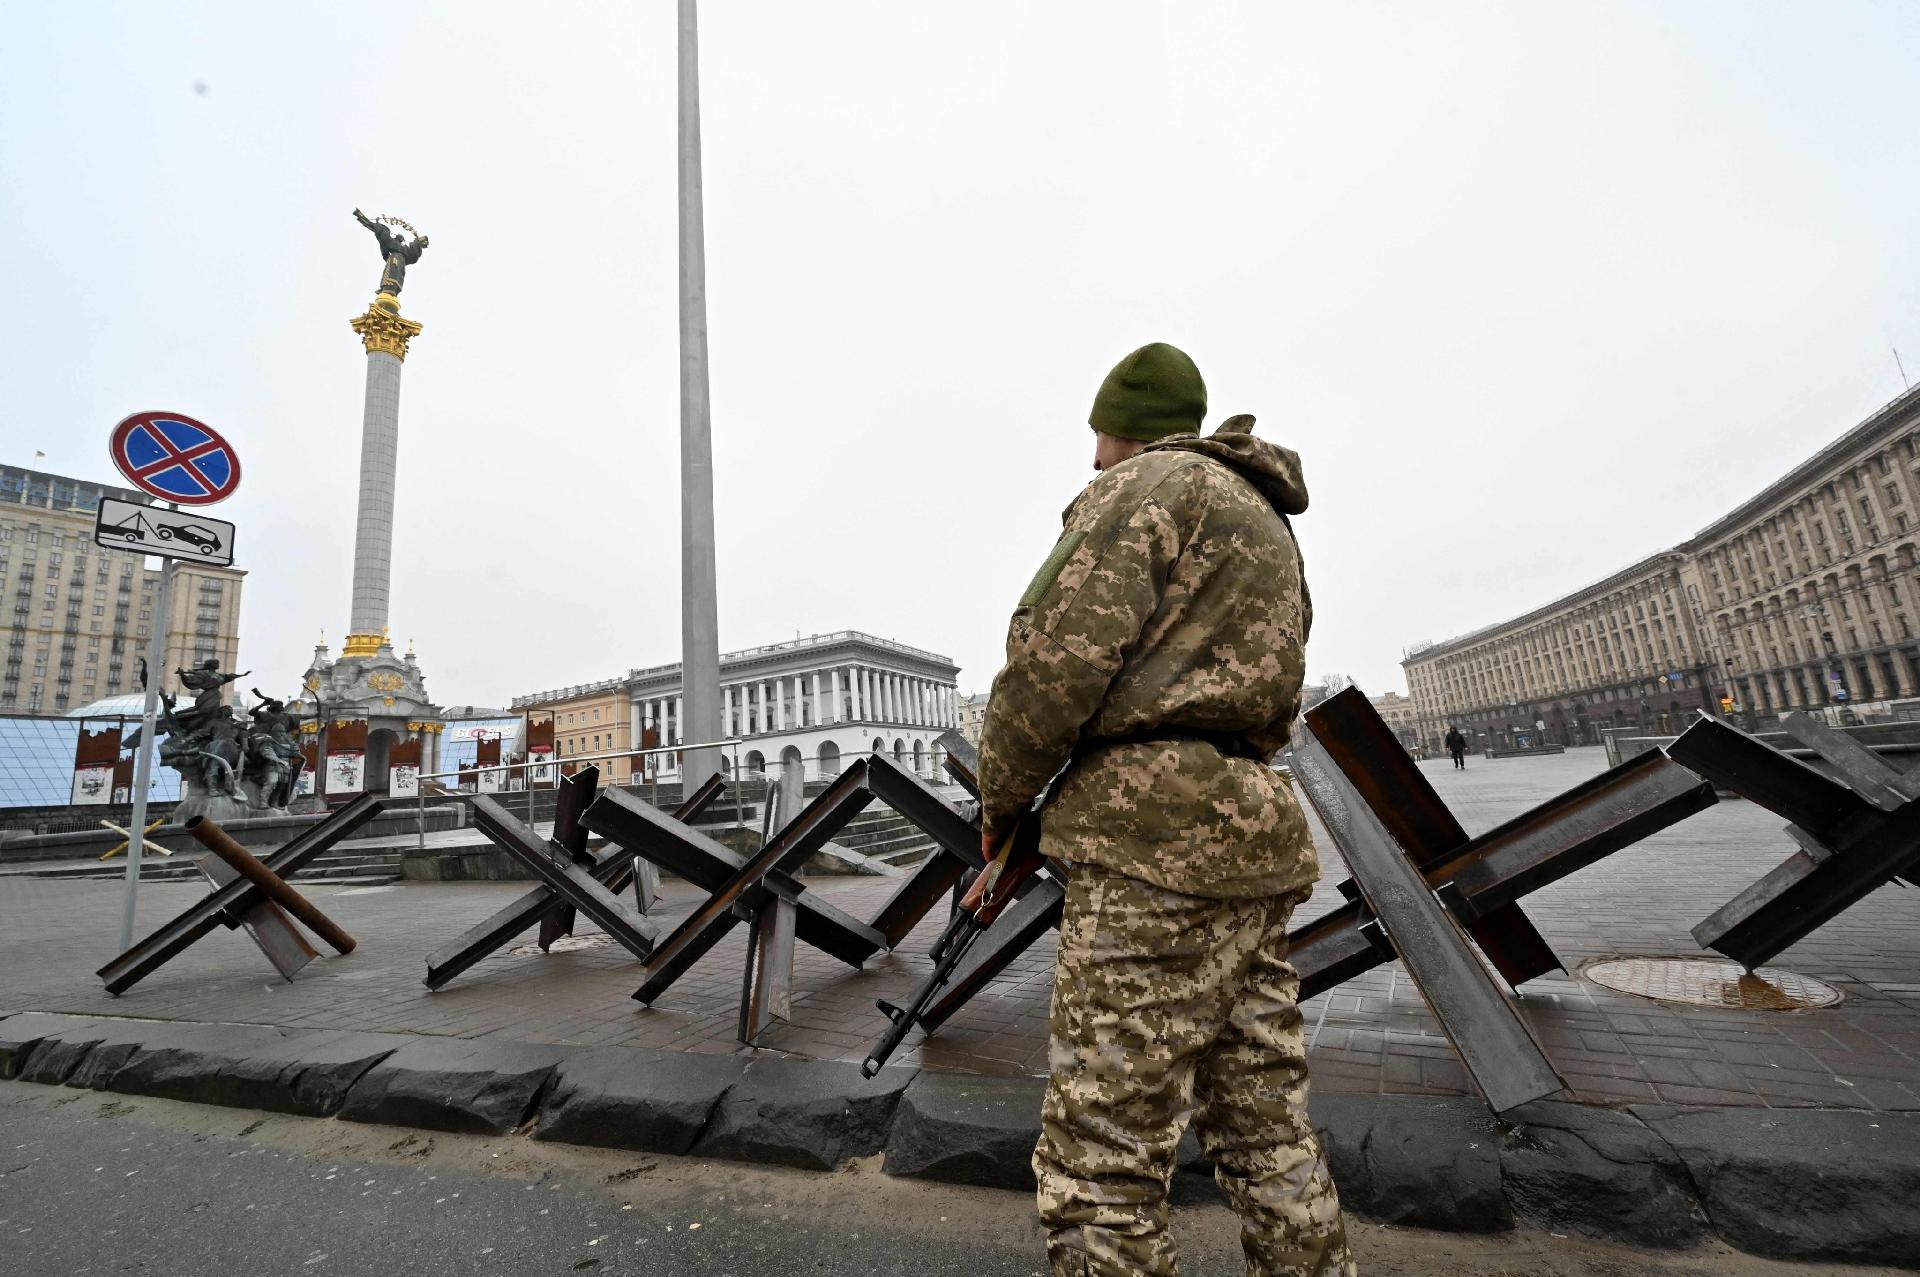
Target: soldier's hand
[977,893]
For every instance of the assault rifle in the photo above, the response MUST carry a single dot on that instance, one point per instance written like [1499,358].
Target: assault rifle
[993,889]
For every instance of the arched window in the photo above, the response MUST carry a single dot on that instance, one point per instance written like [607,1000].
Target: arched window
[756,763]
[900,751]
[879,747]
[829,759]
[919,758]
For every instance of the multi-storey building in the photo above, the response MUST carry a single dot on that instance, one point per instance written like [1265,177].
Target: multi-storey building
[971,716]
[1398,713]
[1801,598]
[592,718]
[80,616]
[809,701]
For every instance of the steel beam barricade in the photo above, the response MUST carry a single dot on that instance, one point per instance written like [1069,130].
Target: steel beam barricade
[235,902]
[1418,883]
[1854,834]
[612,866]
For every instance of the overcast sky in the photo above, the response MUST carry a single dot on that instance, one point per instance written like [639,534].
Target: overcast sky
[1533,289]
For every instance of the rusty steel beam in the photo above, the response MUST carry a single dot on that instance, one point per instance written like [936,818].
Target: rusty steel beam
[1360,744]
[632,867]
[765,876]
[1499,1052]
[575,795]
[963,760]
[1803,894]
[1640,797]
[1565,834]
[769,969]
[1853,835]
[266,924]
[1859,768]
[1394,788]
[228,904]
[958,854]
[638,829]
[571,882]
[1768,778]
[613,867]
[243,862]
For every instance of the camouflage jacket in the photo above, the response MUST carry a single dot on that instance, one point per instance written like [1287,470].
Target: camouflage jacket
[1174,601]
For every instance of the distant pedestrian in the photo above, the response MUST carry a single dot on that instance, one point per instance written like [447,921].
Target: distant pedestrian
[1457,746]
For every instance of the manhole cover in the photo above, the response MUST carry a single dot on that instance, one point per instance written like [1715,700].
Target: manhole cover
[568,944]
[1709,982]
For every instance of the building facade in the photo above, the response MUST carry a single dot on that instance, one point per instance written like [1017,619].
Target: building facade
[970,716]
[812,702]
[1801,598]
[1397,712]
[80,616]
[592,718]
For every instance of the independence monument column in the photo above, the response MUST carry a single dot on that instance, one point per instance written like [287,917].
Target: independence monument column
[385,335]
[377,719]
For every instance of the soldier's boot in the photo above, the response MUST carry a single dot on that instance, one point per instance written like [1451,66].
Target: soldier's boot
[1147,979]
[1253,1124]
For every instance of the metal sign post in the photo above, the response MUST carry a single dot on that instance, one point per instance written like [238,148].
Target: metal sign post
[181,461]
[143,762]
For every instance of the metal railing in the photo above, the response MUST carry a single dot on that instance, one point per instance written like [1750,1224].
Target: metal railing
[552,767]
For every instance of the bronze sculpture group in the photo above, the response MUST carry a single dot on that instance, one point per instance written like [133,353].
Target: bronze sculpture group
[229,769]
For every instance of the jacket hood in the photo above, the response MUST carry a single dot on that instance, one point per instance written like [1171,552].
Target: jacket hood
[1273,470]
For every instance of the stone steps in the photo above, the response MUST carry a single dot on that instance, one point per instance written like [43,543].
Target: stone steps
[342,865]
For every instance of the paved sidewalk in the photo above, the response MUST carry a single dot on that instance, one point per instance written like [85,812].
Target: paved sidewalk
[1372,1035]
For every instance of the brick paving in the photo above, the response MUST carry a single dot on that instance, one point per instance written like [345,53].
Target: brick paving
[1372,1034]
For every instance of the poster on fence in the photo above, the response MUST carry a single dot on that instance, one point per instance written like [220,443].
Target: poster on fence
[403,781]
[346,772]
[95,756]
[540,766]
[93,785]
[490,780]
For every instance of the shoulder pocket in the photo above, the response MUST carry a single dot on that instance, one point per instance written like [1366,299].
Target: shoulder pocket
[1050,570]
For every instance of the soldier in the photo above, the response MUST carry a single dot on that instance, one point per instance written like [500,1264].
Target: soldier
[1155,664]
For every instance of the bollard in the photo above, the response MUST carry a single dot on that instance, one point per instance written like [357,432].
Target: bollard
[216,840]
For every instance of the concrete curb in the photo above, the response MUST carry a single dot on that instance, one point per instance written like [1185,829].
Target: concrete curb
[1792,1184]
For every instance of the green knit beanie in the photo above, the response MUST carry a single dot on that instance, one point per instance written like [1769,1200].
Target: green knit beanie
[1152,393]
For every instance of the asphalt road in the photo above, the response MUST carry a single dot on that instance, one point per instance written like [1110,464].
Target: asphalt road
[92,1183]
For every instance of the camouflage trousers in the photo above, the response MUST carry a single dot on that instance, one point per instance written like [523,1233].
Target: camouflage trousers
[1166,1007]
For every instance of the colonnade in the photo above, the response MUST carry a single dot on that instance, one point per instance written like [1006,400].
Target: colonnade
[817,698]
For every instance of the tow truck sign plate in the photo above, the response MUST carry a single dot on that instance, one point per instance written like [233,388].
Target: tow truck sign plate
[172,534]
